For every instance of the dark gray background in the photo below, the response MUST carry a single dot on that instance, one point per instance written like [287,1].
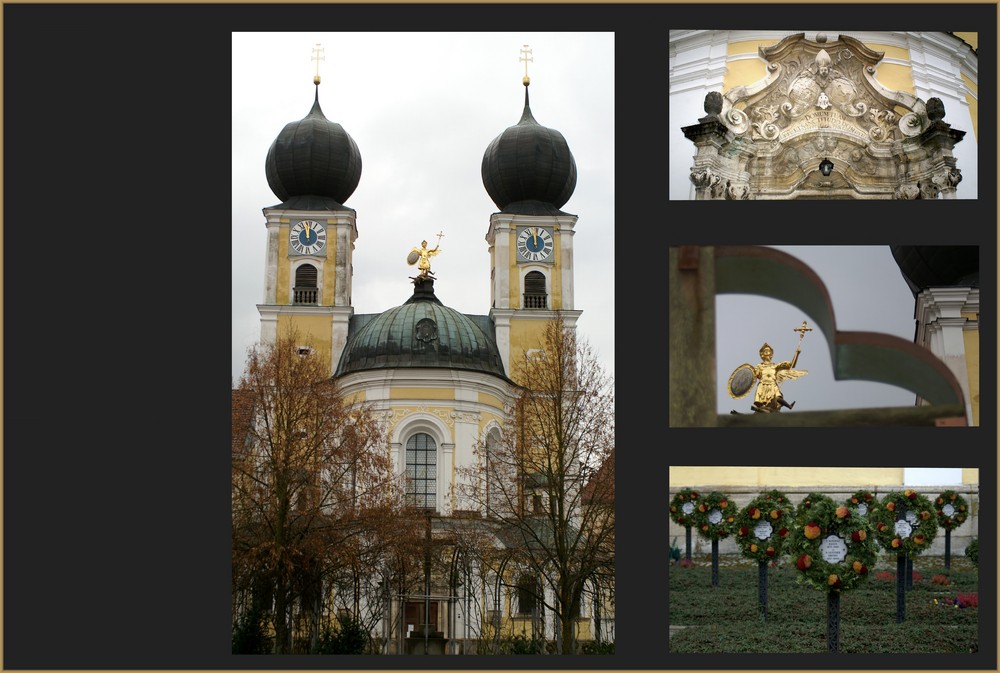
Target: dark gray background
[116,506]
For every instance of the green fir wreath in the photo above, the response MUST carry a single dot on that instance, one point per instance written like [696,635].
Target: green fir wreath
[952,510]
[763,526]
[865,502]
[682,506]
[803,512]
[833,547]
[714,515]
[913,533]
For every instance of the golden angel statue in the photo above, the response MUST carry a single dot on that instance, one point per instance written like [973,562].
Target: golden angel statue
[769,376]
[422,257]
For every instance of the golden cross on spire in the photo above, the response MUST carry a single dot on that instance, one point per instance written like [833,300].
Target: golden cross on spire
[526,56]
[317,55]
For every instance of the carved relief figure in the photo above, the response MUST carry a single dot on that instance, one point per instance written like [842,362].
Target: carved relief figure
[822,68]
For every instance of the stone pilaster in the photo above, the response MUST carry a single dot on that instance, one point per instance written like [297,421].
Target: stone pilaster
[711,167]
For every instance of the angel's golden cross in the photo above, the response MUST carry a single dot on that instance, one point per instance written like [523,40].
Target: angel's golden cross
[802,329]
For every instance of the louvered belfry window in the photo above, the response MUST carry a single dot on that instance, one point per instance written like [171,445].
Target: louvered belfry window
[535,294]
[305,290]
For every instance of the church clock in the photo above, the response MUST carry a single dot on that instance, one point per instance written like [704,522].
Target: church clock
[534,244]
[307,237]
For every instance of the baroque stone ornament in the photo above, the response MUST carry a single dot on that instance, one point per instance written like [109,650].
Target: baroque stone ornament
[908,191]
[397,414]
[935,109]
[466,416]
[737,192]
[713,103]
[928,190]
[947,178]
[821,99]
[704,177]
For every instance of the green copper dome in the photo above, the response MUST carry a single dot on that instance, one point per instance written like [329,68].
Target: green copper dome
[423,332]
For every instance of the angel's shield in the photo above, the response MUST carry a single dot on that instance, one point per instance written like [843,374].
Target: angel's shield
[740,381]
[412,258]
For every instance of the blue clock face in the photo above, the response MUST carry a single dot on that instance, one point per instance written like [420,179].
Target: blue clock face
[307,237]
[534,244]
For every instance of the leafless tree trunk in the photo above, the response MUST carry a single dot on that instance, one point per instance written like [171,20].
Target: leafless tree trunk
[547,481]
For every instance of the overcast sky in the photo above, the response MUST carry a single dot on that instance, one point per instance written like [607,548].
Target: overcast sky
[869,294]
[422,108]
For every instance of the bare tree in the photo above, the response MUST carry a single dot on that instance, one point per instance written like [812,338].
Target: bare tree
[534,479]
[310,486]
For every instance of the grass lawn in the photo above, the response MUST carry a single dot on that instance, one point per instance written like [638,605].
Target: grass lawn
[726,618]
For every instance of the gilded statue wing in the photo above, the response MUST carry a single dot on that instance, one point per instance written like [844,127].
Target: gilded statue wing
[786,374]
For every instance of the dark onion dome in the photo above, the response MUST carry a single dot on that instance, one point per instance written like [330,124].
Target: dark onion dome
[528,169]
[423,332]
[313,163]
[925,266]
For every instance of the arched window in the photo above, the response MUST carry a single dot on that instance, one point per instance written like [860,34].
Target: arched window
[305,291]
[421,471]
[535,294]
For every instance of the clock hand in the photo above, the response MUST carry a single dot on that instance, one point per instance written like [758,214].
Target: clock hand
[534,235]
[308,236]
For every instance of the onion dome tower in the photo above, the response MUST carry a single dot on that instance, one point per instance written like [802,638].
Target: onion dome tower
[530,174]
[313,166]
[925,266]
[945,285]
[313,163]
[528,169]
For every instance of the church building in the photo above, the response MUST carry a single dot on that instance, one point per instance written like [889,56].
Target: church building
[441,380]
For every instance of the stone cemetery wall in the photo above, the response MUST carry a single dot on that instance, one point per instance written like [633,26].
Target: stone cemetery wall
[960,537]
